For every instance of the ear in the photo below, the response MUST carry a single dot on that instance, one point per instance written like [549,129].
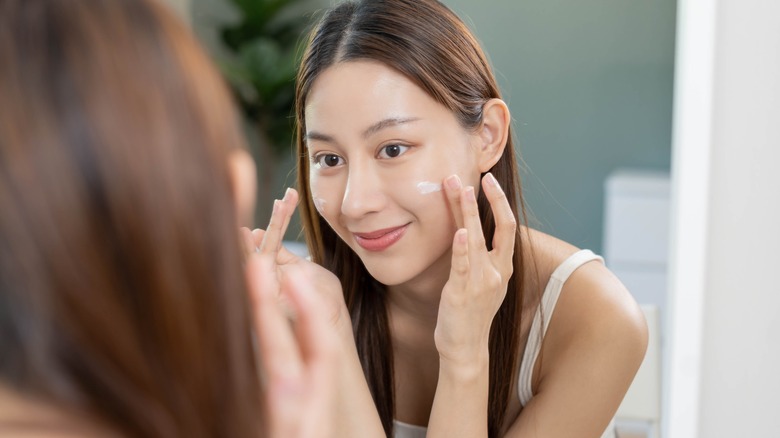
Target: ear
[243,180]
[493,134]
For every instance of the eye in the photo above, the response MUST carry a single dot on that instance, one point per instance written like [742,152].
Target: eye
[326,161]
[392,151]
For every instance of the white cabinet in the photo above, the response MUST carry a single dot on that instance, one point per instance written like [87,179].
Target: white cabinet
[636,242]
[636,232]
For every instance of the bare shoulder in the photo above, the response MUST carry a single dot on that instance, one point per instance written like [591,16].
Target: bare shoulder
[595,307]
[592,297]
[595,314]
[594,344]
[542,254]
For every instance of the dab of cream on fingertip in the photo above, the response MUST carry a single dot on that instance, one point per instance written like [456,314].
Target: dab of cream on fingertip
[426,187]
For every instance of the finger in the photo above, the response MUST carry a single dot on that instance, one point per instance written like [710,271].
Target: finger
[452,189]
[476,239]
[315,337]
[257,237]
[506,224]
[247,241]
[279,355]
[280,219]
[283,257]
[290,201]
[272,234]
[459,268]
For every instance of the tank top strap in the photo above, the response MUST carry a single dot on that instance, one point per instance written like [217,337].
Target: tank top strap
[543,316]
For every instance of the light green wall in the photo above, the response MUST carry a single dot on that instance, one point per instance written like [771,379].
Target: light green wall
[589,84]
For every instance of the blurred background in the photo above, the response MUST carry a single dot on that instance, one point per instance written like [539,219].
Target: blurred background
[648,132]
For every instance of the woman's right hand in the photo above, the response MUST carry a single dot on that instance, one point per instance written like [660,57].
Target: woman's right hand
[478,277]
[268,242]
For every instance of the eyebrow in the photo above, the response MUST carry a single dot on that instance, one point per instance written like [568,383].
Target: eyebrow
[371,130]
[386,123]
[313,135]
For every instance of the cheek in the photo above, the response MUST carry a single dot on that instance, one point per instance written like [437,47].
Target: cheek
[326,196]
[428,183]
[451,156]
[319,204]
[423,190]
[426,197]
[423,177]
[428,187]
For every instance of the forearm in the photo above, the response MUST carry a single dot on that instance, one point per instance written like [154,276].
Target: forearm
[356,414]
[461,400]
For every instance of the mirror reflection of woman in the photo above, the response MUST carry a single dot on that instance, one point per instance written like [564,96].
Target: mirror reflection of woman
[464,321]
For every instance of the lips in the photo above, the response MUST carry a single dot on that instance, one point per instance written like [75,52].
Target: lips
[380,240]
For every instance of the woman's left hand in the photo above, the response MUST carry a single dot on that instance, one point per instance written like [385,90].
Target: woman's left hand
[353,411]
[478,278]
[269,242]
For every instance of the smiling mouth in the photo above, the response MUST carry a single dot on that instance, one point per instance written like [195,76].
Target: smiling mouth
[380,240]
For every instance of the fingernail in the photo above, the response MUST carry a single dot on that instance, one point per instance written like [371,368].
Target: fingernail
[453,182]
[491,179]
[276,205]
[286,194]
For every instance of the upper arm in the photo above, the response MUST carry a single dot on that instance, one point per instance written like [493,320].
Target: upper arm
[594,346]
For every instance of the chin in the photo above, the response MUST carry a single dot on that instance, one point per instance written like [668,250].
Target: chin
[400,270]
[388,275]
[391,270]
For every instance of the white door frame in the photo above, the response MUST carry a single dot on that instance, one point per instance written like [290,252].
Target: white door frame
[691,143]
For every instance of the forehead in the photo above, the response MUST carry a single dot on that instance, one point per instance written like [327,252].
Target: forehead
[358,93]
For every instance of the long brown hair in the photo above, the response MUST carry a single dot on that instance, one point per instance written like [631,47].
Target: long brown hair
[430,45]
[121,289]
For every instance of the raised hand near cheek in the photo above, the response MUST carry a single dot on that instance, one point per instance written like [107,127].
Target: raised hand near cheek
[268,243]
[478,277]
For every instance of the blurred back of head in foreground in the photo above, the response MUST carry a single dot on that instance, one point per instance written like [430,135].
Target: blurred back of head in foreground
[121,291]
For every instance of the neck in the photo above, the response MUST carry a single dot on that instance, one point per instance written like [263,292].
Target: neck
[414,305]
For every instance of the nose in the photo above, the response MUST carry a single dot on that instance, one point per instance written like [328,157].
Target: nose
[364,193]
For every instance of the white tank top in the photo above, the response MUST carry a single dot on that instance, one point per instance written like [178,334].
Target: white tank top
[538,329]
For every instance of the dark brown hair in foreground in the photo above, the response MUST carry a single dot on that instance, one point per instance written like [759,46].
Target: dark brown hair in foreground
[121,290]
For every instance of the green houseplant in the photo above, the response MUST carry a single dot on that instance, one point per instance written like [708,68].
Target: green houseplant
[264,47]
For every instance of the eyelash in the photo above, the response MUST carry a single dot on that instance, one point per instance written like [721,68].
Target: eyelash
[403,148]
[318,164]
[317,159]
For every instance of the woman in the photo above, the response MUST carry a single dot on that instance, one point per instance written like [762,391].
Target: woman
[123,303]
[465,323]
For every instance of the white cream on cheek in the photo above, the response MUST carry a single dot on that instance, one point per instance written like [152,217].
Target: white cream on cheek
[427,187]
[319,204]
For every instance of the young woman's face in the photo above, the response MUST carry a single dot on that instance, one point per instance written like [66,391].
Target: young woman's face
[380,149]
